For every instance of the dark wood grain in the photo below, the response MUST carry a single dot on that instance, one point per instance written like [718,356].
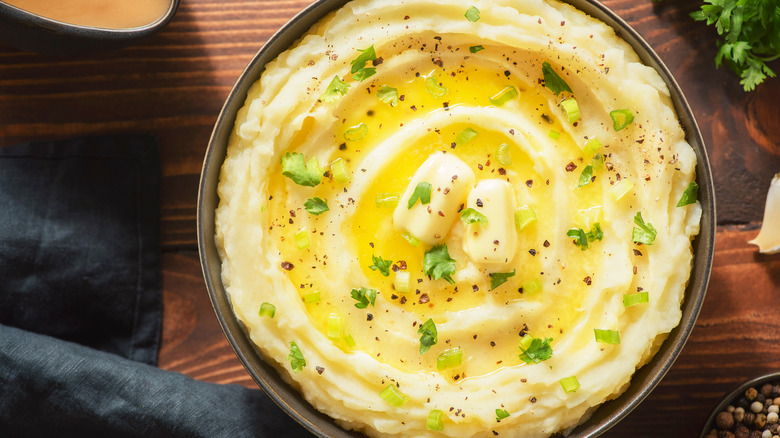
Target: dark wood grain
[173,86]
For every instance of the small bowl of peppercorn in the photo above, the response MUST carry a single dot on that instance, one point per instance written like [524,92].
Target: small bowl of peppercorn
[750,411]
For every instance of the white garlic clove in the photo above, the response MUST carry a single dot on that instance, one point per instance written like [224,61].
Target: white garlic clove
[768,239]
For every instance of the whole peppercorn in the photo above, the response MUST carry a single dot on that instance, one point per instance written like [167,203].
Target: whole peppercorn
[760,421]
[756,407]
[766,390]
[724,420]
[742,432]
[772,418]
[739,414]
[751,393]
[773,408]
[774,428]
[776,401]
[776,391]
[755,434]
[749,418]
[760,398]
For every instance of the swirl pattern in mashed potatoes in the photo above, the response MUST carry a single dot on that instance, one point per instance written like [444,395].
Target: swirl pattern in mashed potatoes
[514,301]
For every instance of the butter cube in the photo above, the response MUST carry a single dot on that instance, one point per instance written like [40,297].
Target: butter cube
[496,241]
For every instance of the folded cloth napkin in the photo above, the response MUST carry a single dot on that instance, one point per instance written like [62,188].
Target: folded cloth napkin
[80,303]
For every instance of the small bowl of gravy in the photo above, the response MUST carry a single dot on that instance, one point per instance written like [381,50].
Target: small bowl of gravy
[64,27]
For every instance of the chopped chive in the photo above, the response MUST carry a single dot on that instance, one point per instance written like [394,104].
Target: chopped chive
[621,118]
[312,298]
[302,239]
[356,133]
[402,282]
[339,170]
[555,135]
[689,195]
[449,358]
[607,336]
[350,341]
[472,14]
[571,109]
[465,136]
[477,48]
[555,83]
[501,414]
[570,384]
[524,216]
[532,286]
[434,88]
[434,421]
[504,96]
[621,189]
[504,155]
[598,162]
[634,299]
[394,396]
[335,327]
[387,200]
[267,309]
[590,147]
[411,239]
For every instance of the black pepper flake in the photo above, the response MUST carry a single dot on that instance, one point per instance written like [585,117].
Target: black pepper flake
[369,317]
[523,331]
[637,252]
[479,166]
[319,369]
[474,287]
[438,62]
[378,61]
[587,280]
[492,344]
[532,399]
[501,171]
[634,270]
[424,298]
[343,147]
[507,73]
[532,252]
[441,213]
[546,244]
[403,300]
[413,108]
[371,244]
[287,266]
[571,166]
[495,242]
[479,202]
[394,296]
[370,113]
[529,183]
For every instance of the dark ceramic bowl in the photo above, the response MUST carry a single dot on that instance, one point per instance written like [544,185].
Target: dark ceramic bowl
[734,395]
[28,31]
[606,416]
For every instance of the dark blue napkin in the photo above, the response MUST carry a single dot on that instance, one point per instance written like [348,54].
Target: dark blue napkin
[80,303]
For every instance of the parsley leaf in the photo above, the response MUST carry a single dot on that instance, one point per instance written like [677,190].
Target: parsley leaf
[364,73]
[359,70]
[472,14]
[297,362]
[305,173]
[471,216]
[388,95]
[586,176]
[501,414]
[477,48]
[499,278]
[438,263]
[581,238]
[643,232]
[555,83]
[539,350]
[316,206]
[381,264]
[335,90]
[422,193]
[689,195]
[364,296]
[430,336]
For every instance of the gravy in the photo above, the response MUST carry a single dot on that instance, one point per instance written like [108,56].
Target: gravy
[110,14]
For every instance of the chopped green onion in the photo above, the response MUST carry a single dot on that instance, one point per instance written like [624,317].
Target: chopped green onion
[471,216]
[312,298]
[356,133]
[555,83]
[571,109]
[297,362]
[394,396]
[465,136]
[555,135]
[598,162]
[434,421]
[316,206]
[621,189]
[586,176]
[381,264]
[524,216]
[430,336]
[411,239]
[267,309]
[449,358]
[504,155]
[350,341]
[643,232]
[388,95]
[689,195]
[504,96]
[339,170]
[402,282]
[435,88]
[477,48]
[472,14]
[501,414]
[422,192]
[536,350]
[335,90]
[526,342]
[621,118]
[499,278]
[570,384]
[607,336]
[634,299]
[335,327]
[263,208]
[387,199]
[591,146]
[532,286]
[302,239]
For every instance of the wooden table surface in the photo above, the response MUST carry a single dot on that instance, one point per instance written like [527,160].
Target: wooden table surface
[173,85]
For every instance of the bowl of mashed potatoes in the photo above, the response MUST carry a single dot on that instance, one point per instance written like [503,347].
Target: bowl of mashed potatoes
[456,218]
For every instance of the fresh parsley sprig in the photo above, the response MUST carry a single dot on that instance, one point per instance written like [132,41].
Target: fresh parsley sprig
[430,336]
[381,264]
[364,296]
[438,263]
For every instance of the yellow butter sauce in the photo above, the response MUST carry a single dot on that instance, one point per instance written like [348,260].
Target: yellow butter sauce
[108,14]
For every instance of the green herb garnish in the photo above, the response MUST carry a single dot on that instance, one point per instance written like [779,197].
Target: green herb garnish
[388,95]
[393,395]
[634,299]
[586,176]
[359,70]
[382,265]
[364,296]
[537,350]
[356,133]
[555,83]
[305,173]
[422,193]
[504,96]
[499,278]
[267,309]
[316,206]
[465,136]
[570,384]
[477,48]
[501,414]
[434,421]
[621,118]
[582,238]
[438,264]
[472,14]
[335,90]
[297,362]
[435,88]
[607,336]
[690,195]
[471,216]
[430,336]
[643,232]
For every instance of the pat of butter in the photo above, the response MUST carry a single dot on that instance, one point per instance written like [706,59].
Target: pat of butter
[450,180]
[495,242]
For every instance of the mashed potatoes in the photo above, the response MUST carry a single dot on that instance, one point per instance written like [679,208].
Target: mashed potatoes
[457,218]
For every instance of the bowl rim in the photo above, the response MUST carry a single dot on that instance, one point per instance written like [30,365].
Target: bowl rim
[32,19]
[647,377]
[733,395]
